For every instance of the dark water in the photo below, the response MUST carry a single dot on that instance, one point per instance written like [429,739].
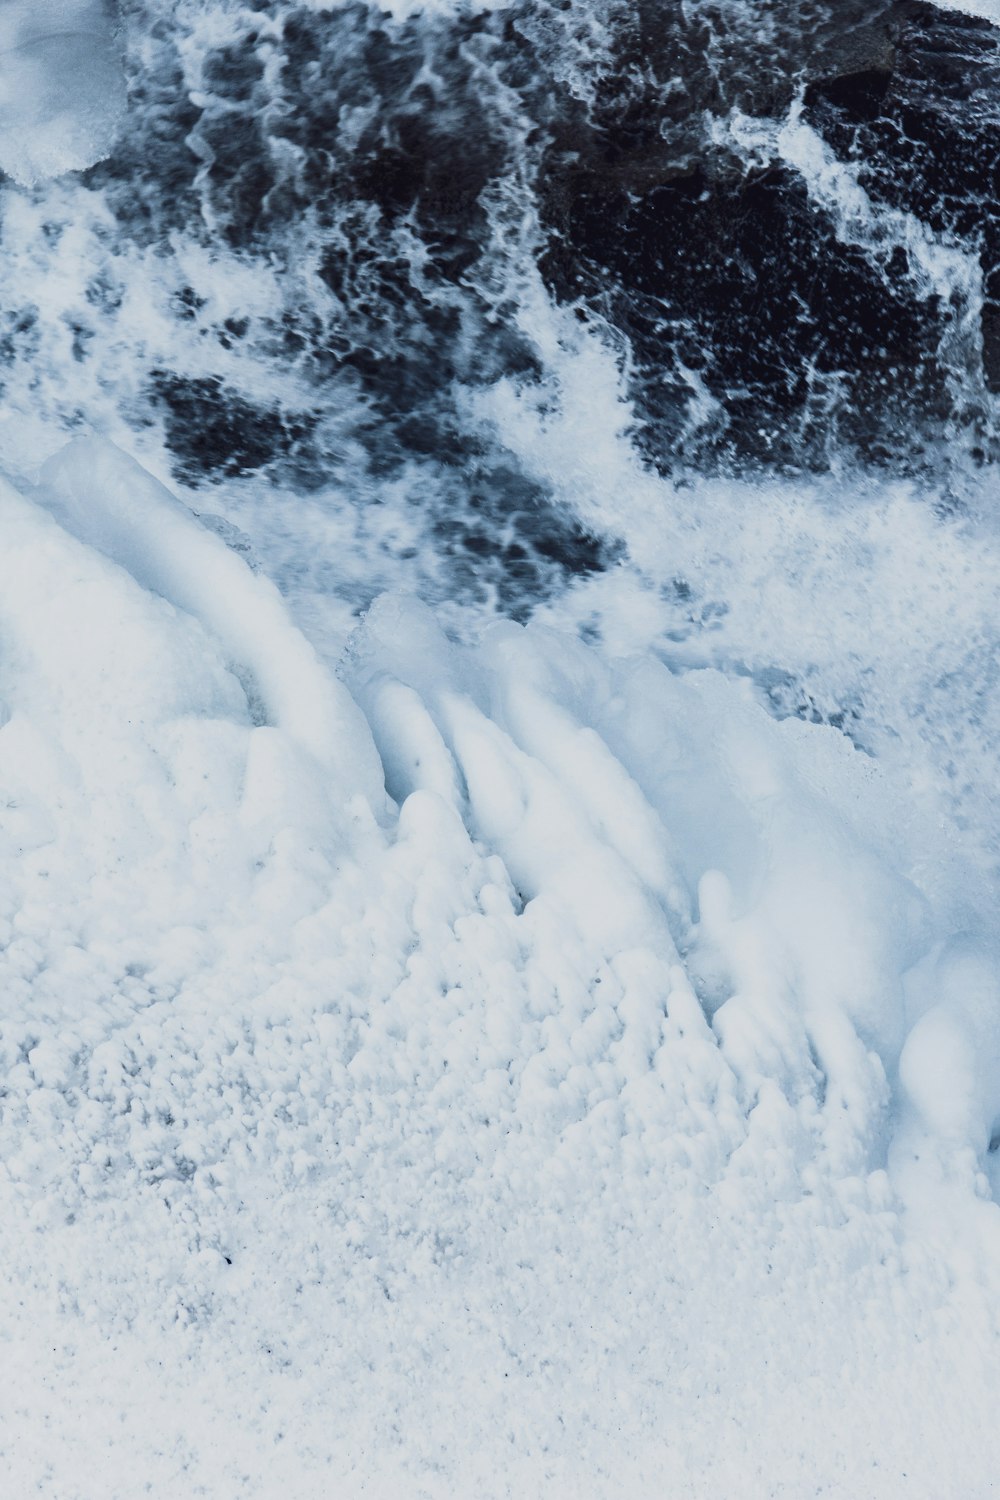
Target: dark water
[413,170]
[390,182]
[679,322]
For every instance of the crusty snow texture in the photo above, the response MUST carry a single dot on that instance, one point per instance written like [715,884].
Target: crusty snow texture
[602,1108]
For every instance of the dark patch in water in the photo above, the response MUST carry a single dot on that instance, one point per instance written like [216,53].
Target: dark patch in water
[927,139]
[507,539]
[777,320]
[361,167]
[212,431]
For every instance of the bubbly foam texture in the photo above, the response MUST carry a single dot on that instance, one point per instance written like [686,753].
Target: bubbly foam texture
[626,969]
[61,87]
[497,928]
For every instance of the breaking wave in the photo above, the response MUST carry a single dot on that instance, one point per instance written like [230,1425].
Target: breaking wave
[500,740]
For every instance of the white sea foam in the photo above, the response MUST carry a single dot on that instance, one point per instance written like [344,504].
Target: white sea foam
[607,1104]
[986,10]
[529,1081]
[62,87]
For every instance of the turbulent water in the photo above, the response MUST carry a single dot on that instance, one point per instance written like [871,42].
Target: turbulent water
[561,307]
[669,329]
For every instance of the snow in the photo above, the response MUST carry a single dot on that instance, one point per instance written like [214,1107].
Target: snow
[607,1113]
[61,86]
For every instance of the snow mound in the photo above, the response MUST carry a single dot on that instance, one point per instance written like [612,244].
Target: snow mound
[62,86]
[607,1113]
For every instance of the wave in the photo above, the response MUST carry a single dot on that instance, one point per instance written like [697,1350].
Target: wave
[498,746]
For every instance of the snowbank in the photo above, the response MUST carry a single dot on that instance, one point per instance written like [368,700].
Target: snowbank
[609,1114]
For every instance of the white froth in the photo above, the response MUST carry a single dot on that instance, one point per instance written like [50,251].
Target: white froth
[62,87]
[543,1132]
[986,10]
[439,1057]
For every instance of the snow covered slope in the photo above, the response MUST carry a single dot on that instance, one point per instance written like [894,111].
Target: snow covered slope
[604,1108]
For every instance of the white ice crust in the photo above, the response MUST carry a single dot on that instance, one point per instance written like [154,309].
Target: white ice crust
[607,1113]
